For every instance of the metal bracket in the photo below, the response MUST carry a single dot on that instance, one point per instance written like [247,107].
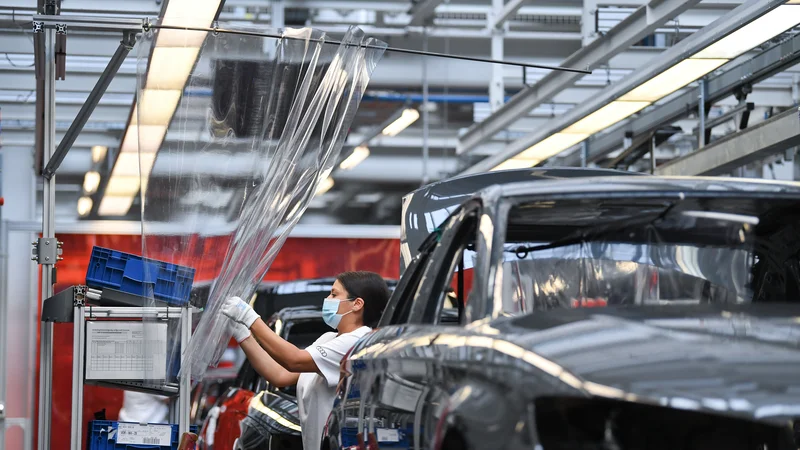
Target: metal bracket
[47,251]
[129,39]
[79,295]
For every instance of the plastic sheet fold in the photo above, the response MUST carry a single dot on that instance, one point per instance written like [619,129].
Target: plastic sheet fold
[258,126]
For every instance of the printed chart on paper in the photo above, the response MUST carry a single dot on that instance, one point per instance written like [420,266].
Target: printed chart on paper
[124,351]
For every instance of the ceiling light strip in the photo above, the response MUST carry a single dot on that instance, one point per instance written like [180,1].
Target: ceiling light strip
[693,58]
[171,61]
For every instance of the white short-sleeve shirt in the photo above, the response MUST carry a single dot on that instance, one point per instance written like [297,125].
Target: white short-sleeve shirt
[315,392]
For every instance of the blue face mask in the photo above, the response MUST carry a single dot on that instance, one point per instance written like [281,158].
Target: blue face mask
[330,311]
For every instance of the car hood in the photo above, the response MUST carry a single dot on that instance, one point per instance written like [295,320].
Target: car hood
[743,360]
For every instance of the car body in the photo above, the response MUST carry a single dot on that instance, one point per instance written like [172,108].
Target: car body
[523,357]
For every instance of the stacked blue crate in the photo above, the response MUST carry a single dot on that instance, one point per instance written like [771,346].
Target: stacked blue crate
[144,277]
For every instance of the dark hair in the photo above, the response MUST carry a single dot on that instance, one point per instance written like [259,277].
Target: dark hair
[371,288]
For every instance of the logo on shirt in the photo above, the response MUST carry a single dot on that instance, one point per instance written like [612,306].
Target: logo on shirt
[322,351]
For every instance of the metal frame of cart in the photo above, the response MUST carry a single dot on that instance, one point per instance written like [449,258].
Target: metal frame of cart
[70,306]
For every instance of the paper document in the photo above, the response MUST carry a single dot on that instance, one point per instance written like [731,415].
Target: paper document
[123,351]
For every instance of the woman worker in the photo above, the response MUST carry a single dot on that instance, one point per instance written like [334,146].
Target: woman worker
[353,307]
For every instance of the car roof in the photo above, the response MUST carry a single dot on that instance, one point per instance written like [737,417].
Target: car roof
[708,185]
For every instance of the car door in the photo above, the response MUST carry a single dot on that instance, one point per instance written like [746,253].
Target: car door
[383,399]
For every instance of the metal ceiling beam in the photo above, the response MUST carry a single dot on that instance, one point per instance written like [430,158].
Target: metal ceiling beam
[88,107]
[423,11]
[636,26]
[767,63]
[509,10]
[685,48]
[775,135]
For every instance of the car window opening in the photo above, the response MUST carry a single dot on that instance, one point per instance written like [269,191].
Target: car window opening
[646,253]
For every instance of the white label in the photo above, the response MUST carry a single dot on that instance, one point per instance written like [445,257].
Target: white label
[388,435]
[134,433]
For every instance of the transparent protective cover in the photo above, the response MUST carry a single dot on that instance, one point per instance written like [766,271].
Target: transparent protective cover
[258,126]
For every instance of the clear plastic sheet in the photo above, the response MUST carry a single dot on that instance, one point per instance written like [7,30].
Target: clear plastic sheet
[259,125]
[612,273]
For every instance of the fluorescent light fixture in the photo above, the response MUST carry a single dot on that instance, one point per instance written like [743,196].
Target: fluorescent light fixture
[119,185]
[515,163]
[553,145]
[112,205]
[99,153]
[170,67]
[157,106]
[91,181]
[324,186]
[359,154]
[672,79]
[754,33]
[605,117]
[187,13]
[84,206]
[147,138]
[408,117]
[129,164]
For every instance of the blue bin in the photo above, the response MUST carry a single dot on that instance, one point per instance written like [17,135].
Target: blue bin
[103,436]
[135,275]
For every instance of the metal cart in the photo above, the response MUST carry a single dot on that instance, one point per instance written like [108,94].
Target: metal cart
[71,305]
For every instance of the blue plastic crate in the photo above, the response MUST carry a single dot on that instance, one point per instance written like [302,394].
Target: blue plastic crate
[139,276]
[103,436]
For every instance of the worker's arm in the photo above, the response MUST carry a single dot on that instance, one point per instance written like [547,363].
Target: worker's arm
[273,372]
[284,353]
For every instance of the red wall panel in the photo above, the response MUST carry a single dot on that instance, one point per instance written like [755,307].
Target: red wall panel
[299,258]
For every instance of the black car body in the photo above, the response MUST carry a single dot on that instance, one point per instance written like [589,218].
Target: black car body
[490,340]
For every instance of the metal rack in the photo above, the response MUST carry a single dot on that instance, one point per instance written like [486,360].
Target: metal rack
[71,305]
[50,31]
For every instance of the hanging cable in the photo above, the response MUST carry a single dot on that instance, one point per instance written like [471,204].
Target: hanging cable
[148,27]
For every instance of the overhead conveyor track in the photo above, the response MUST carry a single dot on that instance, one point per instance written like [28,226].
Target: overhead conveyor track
[736,150]
[751,72]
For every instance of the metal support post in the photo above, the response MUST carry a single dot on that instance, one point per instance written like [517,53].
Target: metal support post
[78,363]
[425,113]
[497,85]
[125,46]
[48,231]
[701,114]
[584,152]
[589,21]
[185,381]
[653,153]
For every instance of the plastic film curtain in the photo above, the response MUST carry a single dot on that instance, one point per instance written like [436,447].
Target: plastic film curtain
[258,125]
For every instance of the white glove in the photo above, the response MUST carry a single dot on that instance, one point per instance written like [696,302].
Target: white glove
[239,311]
[238,331]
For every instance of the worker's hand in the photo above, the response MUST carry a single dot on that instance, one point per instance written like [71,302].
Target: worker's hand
[238,310]
[238,331]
